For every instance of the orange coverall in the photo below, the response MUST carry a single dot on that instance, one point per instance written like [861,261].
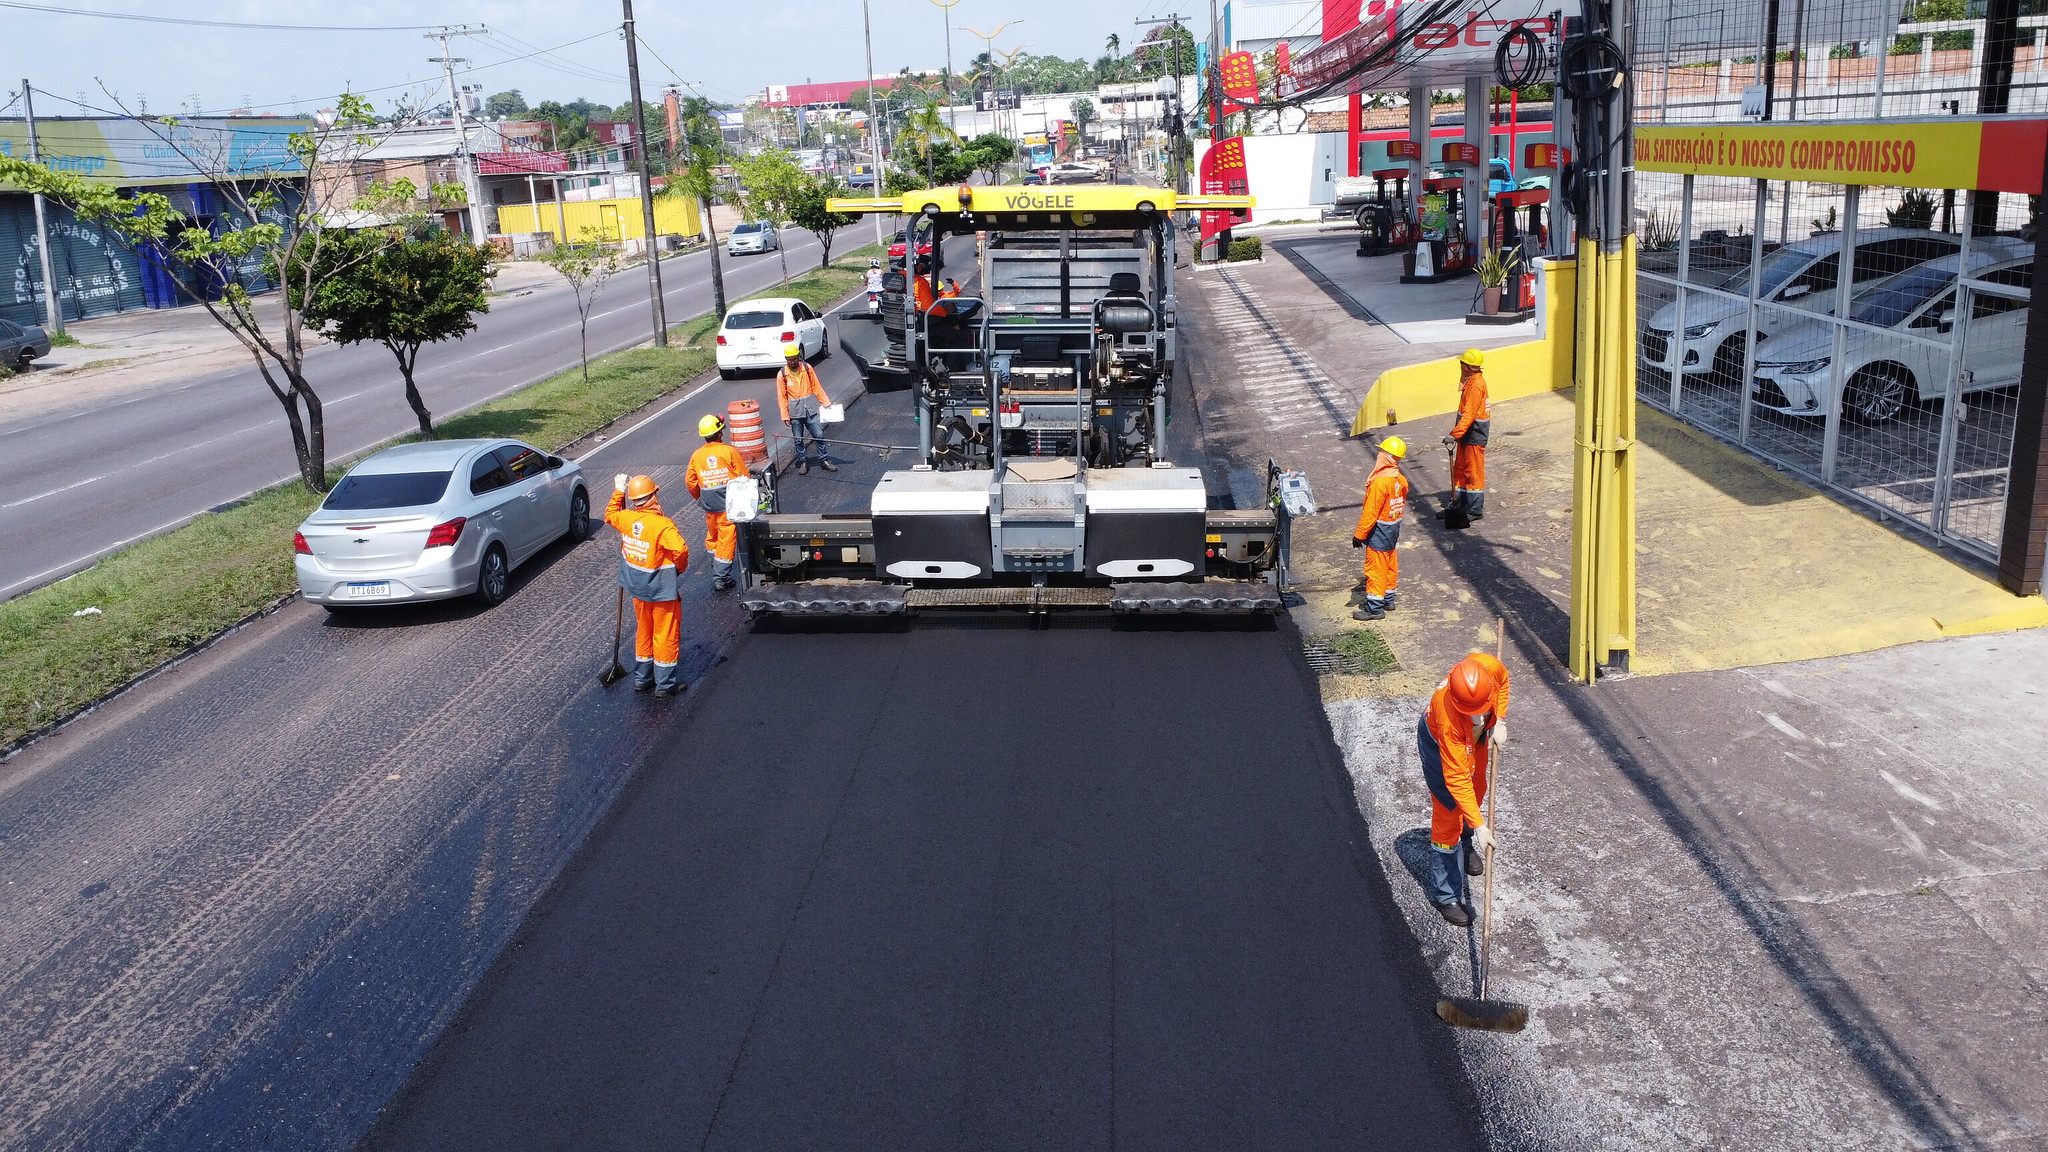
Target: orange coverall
[1468,467]
[1379,525]
[1457,782]
[791,383]
[711,467]
[652,555]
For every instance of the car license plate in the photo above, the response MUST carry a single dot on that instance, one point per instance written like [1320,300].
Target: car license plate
[370,589]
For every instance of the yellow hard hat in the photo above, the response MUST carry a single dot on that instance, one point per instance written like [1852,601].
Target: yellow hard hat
[640,488]
[793,351]
[1395,446]
[1473,356]
[710,426]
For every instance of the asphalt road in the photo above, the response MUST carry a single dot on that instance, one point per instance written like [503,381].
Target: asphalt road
[936,888]
[76,484]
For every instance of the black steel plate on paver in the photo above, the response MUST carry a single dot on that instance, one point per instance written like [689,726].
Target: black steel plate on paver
[1010,597]
[825,599]
[1208,596]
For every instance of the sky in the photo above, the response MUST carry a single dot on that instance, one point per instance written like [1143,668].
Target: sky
[700,42]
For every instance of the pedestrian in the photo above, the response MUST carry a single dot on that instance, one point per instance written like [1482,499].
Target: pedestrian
[1475,419]
[1466,719]
[652,558]
[802,399]
[1379,531]
[711,467]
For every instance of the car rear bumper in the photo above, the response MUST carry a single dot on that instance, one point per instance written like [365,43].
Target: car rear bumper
[439,575]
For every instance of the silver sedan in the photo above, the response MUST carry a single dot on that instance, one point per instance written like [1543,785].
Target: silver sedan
[438,520]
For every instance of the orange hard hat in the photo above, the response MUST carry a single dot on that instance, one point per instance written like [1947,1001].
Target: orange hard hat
[1471,686]
[640,488]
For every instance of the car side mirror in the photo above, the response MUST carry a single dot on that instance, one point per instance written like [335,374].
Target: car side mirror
[555,462]
[1795,291]
[1947,322]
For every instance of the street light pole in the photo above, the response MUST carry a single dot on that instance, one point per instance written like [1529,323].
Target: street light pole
[53,309]
[659,306]
[464,167]
[867,31]
[988,48]
[1172,121]
[947,6]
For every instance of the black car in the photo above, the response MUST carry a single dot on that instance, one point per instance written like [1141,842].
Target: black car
[21,343]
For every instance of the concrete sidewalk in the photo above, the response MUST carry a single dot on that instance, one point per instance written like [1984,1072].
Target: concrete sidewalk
[1783,907]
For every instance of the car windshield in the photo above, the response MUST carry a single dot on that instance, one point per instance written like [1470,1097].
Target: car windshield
[1895,299]
[746,228]
[387,490]
[1779,267]
[752,319]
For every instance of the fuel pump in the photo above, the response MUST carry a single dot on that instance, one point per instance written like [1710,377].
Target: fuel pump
[1384,222]
[1519,231]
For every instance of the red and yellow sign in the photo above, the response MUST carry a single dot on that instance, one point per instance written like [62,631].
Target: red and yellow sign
[1547,155]
[2001,155]
[1404,150]
[1223,173]
[1240,72]
[1461,153]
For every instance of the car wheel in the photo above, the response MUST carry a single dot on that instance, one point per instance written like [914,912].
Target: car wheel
[1876,395]
[824,347]
[1728,361]
[493,577]
[579,516]
[26,363]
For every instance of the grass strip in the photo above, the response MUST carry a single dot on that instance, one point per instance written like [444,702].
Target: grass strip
[161,597]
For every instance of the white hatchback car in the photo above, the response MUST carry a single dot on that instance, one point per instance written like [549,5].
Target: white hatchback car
[1883,375]
[751,236]
[754,332]
[437,520]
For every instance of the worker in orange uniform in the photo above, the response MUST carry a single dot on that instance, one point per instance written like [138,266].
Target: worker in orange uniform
[652,558]
[1466,719]
[1379,530]
[711,468]
[801,398]
[1475,419]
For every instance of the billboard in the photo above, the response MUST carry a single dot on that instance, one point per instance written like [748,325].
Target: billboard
[132,153]
[1223,173]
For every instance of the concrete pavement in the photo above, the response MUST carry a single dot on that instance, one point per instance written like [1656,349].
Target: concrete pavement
[78,480]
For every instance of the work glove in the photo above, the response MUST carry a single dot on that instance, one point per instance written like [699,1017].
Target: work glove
[619,482]
[1450,440]
[1357,542]
[1482,840]
[1497,736]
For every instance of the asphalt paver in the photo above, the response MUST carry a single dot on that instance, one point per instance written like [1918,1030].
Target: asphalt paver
[961,887]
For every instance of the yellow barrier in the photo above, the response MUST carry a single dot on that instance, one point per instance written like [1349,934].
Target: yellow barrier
[1431,387]
[602,219]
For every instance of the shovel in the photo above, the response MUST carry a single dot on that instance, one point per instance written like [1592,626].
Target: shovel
[1479,1012]
[617,671]
[1455,517]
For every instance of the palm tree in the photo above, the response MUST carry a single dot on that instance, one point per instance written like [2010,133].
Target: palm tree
[923,128]
[1114,43]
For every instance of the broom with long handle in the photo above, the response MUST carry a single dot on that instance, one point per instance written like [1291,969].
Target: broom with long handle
[1479,1012]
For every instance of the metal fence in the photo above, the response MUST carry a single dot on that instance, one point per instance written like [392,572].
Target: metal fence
[1862,338]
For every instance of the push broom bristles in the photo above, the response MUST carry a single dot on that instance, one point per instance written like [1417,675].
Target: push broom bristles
[1483,1015]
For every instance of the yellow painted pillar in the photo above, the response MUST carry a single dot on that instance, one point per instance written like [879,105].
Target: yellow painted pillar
[1603,602]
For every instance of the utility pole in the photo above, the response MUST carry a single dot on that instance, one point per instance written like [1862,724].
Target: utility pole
[464,167]
[1173,121]
[867,32]
[947,5]
[53,310]
[659,306]
[1213,246]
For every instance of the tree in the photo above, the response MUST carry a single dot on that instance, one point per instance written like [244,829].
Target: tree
[769,182]
[807,211]
[403,294]
[703,149]
[264,224]
[989,152]
[1112,44]
[922,129]
[1156,55]
[505,104]
[1084,115]
[586,265]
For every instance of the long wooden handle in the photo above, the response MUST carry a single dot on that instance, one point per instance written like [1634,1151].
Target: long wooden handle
[1493,758]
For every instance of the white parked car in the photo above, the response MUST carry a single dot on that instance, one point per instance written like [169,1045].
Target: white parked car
[1883,375]
[754,332]
[437,520]
[1800,275]
[751,236]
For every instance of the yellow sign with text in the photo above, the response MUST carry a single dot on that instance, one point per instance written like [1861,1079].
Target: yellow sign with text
[1903,154]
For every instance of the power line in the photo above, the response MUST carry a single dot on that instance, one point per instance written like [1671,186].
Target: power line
[55,10]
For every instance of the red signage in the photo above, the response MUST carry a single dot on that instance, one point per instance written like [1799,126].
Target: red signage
[1461,153]
[1282,59]
[1546,156]
[1404,150]
[520,163]
[1240,72]
[1223,173]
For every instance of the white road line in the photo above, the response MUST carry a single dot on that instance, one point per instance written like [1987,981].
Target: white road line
[54,491]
